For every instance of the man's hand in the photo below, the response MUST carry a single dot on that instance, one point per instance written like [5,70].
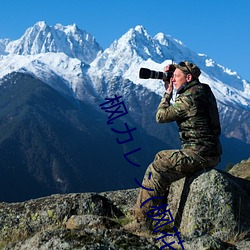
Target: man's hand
[168,85]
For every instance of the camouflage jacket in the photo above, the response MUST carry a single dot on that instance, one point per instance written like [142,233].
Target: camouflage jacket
[196,113]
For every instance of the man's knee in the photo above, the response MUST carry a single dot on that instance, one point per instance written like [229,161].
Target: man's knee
[164,155]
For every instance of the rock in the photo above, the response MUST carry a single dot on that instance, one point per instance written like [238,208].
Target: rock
[213,202]
[205,242]
[21,220]
[63,239]
[243,245]
[90,221]
[241,169]
[71,221]
[210,210]
[124,199]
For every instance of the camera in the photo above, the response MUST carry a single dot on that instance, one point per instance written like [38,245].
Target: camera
[145,73]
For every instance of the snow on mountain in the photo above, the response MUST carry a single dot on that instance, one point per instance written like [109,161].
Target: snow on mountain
[137,49]
[57,55]
[3,43]
[131,50]
[75,57]
[46,67]
[41,38]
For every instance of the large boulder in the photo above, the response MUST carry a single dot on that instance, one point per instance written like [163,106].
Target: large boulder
[211,202]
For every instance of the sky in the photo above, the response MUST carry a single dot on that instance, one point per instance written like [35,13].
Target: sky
[217,28]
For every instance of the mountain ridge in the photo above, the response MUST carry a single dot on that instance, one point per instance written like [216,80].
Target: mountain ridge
[146,51]
[125,56]
[42,38]
[57,144]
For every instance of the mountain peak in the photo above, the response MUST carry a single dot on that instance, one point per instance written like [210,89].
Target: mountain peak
[42,38]
[135,33]
[141,29]
[134,46]
[167,39]
[41,24]
[69,28]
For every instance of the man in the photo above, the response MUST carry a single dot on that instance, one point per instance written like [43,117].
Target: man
[195,111]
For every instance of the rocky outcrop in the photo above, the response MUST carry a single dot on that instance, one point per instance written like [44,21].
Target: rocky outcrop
[241,169]
[71,221]
[210,210]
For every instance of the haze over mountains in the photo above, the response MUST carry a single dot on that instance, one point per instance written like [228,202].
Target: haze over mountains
[54,137]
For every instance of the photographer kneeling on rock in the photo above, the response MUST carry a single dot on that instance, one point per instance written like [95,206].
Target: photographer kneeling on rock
[196,113]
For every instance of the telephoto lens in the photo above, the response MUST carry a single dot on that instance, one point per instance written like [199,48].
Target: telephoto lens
[145,73]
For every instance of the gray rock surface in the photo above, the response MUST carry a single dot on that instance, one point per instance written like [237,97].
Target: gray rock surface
[213,202]
[210,210]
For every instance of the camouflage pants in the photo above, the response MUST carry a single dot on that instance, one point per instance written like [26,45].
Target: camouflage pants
[167,167]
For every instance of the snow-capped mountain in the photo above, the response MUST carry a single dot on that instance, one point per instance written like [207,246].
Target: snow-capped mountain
[72,62]
[69,52]
[70,40]
[51,53]
[137,49]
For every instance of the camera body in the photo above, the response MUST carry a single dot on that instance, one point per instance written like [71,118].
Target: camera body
[146,73]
